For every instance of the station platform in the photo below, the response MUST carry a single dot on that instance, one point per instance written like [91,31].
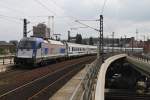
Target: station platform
[67,91]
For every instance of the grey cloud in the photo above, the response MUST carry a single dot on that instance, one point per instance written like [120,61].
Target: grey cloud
[124,16]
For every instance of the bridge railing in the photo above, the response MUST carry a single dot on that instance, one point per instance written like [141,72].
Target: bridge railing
[84,89]
[141,57]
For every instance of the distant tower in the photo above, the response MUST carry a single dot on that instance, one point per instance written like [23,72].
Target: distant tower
[51,25]
[41,30]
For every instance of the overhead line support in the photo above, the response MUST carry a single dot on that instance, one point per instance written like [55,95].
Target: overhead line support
[101,42]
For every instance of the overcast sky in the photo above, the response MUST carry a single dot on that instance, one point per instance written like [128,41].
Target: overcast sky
[120,16]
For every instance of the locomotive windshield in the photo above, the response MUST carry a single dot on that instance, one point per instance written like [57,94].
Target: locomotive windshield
[27,45]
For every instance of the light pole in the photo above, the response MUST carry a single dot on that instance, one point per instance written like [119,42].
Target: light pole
[132,44]
[113,33]
[107,43]
[121,44]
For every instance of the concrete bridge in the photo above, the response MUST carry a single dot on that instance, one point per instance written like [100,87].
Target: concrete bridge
[118,76]
[140,65]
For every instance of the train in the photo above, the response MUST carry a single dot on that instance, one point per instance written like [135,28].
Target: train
[123,49]
[33,50]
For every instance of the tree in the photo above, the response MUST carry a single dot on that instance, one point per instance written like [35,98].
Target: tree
[2,51]
[91,41]
[78,39]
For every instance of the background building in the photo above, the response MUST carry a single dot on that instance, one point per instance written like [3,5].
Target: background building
[8,48]
[41,30]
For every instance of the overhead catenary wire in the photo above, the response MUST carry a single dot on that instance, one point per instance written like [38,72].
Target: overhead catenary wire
[10,20]
[12,9]
[89,20]
[69,16]
[87,25]
[11,17]
[102,10]
[44,6]
[103,7]
[72,17]
[47,8]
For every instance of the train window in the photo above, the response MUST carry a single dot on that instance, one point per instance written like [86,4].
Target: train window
[39,45]
[26,45]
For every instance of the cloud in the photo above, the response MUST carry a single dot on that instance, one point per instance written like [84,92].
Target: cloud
[121,16]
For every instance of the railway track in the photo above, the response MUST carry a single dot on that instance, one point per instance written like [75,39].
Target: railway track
[128,95]
[44,87]
[11,72]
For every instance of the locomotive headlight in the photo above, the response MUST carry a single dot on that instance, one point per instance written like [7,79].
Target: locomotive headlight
[34,53]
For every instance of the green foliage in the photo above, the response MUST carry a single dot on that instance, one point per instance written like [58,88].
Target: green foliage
[2,51]
[13,50]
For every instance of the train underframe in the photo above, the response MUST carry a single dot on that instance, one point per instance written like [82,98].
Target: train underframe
[44,61]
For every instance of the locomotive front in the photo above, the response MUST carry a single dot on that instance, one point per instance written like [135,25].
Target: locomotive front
[27,50]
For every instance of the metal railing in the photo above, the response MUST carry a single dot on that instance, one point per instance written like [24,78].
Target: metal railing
[6,59]
[85,89]
[143,58]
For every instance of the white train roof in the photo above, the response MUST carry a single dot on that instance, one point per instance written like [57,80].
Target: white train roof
[80,45]
[76,45]
[55,42]
[92,46]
